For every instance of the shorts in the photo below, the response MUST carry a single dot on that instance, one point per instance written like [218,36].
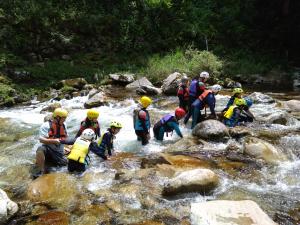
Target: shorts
[54,155]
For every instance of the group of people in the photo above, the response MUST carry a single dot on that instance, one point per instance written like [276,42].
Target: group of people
[195,97]
[53,135]
[192,99]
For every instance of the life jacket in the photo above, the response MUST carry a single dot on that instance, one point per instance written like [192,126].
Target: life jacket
[94,126]
[167,118]
[137,122]
[79,151]
[184,91]
[56,130]
[101,138]
[204,94]
[193,88]
[228,114]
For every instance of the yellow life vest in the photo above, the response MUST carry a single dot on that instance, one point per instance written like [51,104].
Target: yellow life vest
[79,150]
[228,114]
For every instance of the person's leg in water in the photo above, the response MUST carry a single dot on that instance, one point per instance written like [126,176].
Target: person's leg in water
[196,113]
[189,113]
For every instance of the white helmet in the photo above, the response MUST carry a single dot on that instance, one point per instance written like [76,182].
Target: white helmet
[204,74]
[88,134]
[216,88]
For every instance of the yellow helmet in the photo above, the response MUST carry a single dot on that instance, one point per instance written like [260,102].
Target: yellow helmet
[237,91]
[145,101]
[60,112]
[92,114]
[115,124]
[240,101]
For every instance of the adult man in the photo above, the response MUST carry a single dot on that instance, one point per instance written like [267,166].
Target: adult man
[52,134]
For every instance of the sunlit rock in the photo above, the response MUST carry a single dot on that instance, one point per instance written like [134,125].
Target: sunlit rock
[98,99]
[240,131]
[77,83]
[171,83]
[259,97]
[8,208]
[122,79]
[53,218]
[197,180]
[184,144]
[222,212]
[138,83]
[94,215]
[293,105]
[211,130]
[148,90]
[51,107]
[261,149]
[57,189]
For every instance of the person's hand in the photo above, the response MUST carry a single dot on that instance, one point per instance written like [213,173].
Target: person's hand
[56,141]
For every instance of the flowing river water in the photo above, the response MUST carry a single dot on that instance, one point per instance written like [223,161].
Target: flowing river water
[129,192]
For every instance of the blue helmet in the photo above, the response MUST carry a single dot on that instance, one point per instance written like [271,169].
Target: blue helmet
[249,102]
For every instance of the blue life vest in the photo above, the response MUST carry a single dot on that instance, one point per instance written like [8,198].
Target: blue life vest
[165,120]
[193,88]
[138,122]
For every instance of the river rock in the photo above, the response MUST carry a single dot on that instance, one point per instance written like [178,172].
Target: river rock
[277,118]
[122,79]
[197,180]
[222,212]
[240,131]
[95,101]
[53,218]
[77,83]
[229,83]
[148,90]
[57,189]
[293,105]
[8,208]
[261,149]
[51,107]
[171,83]
[138,83]
[259,97]
[211,130]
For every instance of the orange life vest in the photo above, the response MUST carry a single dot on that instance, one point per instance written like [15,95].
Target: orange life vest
[57,131]
[204,94]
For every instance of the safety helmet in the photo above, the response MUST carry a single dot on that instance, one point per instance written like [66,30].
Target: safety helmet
[145,101]
[184,79]
[237,91]
[92,114]
[204,74]
[240,102]
[60,113]
[115,124]
[216,88]
[88,134]
[179,112]
[249,102]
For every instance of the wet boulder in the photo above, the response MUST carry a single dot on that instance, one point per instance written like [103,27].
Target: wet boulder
[259,97]
[57,190]
[138,83]
[222,212]
[8,208]
[293,105]
[240,131]
[98,99]
[261,149]
[148,90]
[122,79]
[197,180]
[229,83]
[51,107]
[211,130]
[171,83]
[77,83]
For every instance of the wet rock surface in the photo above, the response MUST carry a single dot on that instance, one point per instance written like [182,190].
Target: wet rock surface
[211,130]
[8,208]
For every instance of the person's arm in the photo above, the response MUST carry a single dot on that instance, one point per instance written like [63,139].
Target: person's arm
[97,150]
[175,126]
[47,141]
[249,113]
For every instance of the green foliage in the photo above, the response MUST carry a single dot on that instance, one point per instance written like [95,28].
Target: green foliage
[191,62]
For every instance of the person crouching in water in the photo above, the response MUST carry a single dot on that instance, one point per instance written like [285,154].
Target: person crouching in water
[141,120]
[106,141]
[183,93]
[91,122]
[207,98]
[77,159]
[168,123]
[238,113]
[236,94]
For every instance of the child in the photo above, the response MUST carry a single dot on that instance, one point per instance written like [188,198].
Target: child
[91,121]
[79,151]
[105,143]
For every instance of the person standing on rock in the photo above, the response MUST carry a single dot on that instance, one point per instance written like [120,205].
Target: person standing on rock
[141,120]
[168,124]
[52,134]
[106,142]
[197,87]
[183,93]
[207,98]
[91,122]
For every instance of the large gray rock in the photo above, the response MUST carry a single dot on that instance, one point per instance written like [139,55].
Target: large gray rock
[122,79]
[197,180]
[259,97]
[171,83]
[138,83]
[223,212]
[148,90]
[293,105]
[8,208]
[97,100]
[211,130]
[261,149]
